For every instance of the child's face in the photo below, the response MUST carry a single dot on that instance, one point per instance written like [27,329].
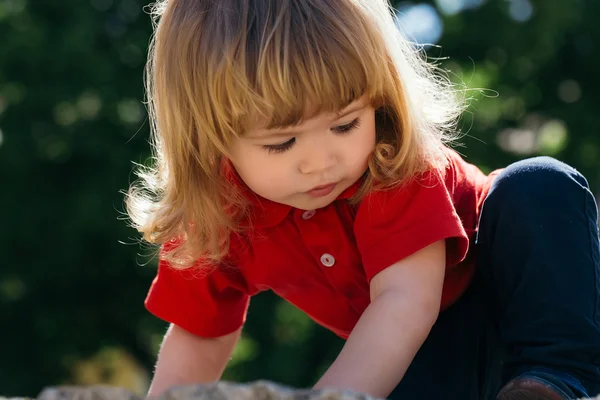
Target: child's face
[309,165]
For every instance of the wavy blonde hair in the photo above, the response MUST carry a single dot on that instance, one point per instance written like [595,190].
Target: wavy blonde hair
[215,68]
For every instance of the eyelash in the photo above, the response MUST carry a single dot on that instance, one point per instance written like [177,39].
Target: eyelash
[340,130]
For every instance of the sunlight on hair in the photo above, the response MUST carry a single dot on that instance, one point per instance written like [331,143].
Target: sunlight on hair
[213,75]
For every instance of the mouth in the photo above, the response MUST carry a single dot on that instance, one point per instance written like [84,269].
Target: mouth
[322,190]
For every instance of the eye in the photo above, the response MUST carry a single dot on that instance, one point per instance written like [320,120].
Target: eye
[342,129]
[280,148]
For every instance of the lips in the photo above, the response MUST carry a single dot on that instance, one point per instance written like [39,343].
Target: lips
[322,190]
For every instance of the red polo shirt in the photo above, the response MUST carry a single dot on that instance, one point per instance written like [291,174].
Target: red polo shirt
[323,260]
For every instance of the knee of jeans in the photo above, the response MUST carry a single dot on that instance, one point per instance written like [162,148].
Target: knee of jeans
[535,180]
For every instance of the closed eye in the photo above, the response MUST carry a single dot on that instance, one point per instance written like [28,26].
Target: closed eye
[280,148]
[283,147]
[348,127]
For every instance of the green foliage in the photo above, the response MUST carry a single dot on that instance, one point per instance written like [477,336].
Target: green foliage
[72,276]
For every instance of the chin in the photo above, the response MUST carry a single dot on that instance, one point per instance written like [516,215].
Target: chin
[322,201]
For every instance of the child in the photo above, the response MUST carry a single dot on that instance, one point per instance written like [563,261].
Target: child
[301,147]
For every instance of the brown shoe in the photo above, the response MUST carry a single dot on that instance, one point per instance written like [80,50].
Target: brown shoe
[528,389]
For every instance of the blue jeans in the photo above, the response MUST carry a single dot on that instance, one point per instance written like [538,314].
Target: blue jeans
[534,306]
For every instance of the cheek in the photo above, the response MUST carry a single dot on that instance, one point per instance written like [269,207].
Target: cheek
[263,172]
[365,143]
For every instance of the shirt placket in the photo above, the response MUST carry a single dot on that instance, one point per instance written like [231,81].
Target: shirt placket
[333,250]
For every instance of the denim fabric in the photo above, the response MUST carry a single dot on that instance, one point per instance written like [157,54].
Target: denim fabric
[533,308]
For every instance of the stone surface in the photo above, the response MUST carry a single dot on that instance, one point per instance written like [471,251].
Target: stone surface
[87,393]
[261,390]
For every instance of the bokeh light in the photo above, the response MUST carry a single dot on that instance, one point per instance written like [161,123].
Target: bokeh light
[420,23]
[520,10]
[451,7]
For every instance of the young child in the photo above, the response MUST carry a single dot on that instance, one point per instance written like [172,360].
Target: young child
[302,147]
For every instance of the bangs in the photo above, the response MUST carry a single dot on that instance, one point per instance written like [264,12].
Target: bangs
[303,58]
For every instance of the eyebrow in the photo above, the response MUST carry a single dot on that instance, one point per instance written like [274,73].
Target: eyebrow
[293,132]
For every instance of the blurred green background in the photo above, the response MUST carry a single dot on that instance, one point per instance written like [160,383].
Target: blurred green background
[72,277]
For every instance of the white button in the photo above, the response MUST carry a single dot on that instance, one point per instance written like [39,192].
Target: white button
[308,214]
[327,260]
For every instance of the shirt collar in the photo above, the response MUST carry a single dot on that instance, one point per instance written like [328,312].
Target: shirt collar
[265,213]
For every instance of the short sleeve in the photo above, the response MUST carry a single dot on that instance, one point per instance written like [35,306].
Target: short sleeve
[208,304]
[393,224]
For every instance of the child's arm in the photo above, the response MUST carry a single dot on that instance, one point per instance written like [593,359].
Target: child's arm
[405,303]
[185,358]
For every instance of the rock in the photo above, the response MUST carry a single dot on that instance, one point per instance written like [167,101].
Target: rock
[15,398]
[260,390]
[87,393]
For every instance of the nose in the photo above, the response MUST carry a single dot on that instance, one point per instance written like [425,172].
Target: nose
[317,159]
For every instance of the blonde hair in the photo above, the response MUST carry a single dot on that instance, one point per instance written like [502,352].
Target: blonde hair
[217,67]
